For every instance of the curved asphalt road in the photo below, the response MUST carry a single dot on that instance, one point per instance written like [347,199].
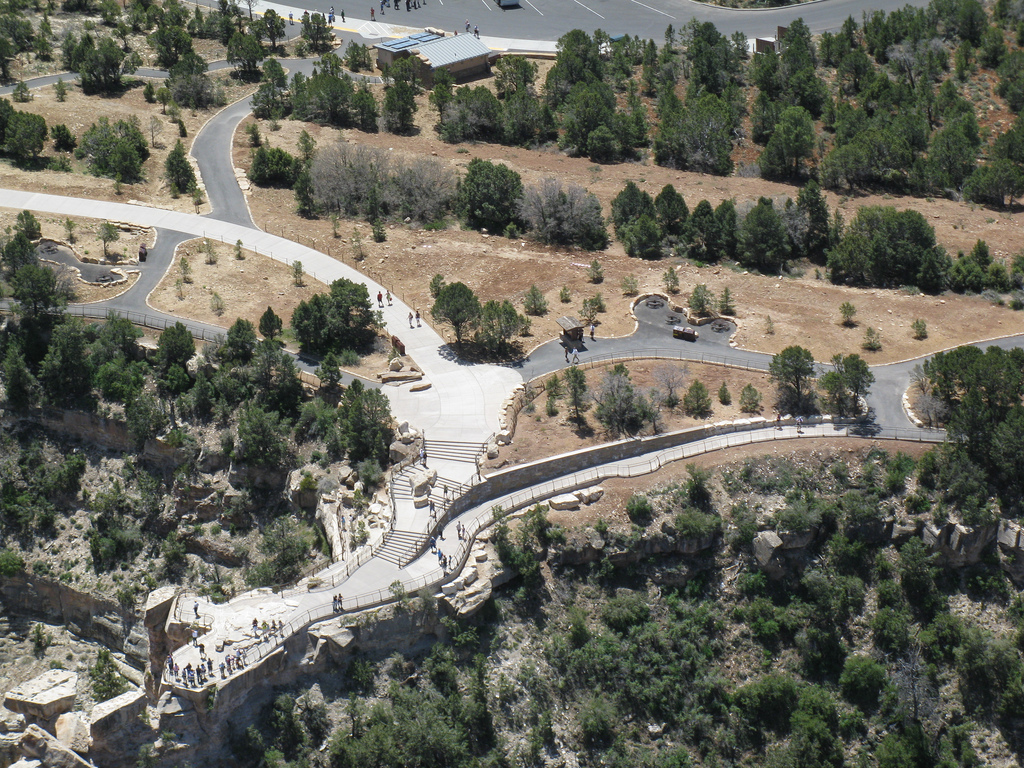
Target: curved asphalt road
[212,150]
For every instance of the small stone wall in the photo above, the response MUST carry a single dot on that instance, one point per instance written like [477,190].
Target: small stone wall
[524,475]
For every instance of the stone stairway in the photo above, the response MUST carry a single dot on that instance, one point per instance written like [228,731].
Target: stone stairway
[453,450]
[401,547]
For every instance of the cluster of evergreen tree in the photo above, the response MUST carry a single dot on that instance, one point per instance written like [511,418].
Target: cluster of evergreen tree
[764,236]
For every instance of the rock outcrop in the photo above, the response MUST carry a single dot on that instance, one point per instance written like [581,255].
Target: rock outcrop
[959,545]
[46,696]
[39,745]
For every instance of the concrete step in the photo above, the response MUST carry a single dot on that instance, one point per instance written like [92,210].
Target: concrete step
[401,547]
[452,450]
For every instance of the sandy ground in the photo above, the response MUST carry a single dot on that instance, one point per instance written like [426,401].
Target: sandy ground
[538,434]
[498,268]
[79,112]
[246,287]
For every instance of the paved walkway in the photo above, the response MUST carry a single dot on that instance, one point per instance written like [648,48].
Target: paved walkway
[370,584]
[461,407]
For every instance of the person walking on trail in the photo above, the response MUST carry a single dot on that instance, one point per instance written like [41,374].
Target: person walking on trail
[380,299]
[575,358]
[591,331]
[410,319]
[195,607]
[418,323]
[566,354]
[387,296]
[423,455]
[476,31]
[467,25]
[372,17]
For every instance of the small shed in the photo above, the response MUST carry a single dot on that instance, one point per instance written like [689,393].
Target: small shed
[571,327]
[464,56]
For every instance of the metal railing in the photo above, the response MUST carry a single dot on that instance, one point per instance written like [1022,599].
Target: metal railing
[489,510]
[674,353]
[155,322]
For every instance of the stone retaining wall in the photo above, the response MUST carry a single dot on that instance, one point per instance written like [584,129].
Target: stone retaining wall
[543,470]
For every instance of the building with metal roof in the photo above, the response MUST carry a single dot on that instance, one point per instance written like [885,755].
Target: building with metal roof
[462,55]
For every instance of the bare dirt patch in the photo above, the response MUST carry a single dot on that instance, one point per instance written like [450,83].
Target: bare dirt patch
[88,293]
[804,310]
[246,286]
[79,112]
[538,434]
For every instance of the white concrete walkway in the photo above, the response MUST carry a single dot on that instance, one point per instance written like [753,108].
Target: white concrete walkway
[463,401]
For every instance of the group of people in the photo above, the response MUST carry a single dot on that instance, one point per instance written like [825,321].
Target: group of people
[329,16]
[199,675]
[268,630]
[417,316]
[476,30]
[382,296]
[337,603]
[396,4]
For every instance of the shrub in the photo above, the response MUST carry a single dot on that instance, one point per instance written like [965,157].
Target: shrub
[697,401]
[63,139]
[670,279]
[534,302]
[702,300]
[272,167]
[596,718]
[639,509]
[890,629]
[625,611]
[694,524]
[11,563]
[872,340]
[724,396]
[847,310]
[862,681]
[750,399]
[564,215]
[106,680]
[920,329]
[630,285]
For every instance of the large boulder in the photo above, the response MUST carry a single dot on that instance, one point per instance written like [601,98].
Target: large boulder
[565,501]
[111,716]
[589,495]
[766,544]
[11,722]
[303,492]
[72,731]
[39,745]
[45,696]
[399,451]
[421,480]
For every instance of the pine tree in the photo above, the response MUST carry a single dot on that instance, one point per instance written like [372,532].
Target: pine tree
[179,171]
